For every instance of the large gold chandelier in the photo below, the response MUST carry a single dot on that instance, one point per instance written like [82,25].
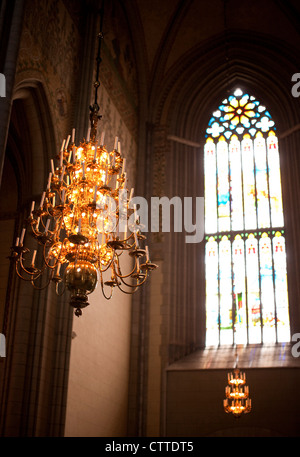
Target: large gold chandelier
[237,399]
[84,222]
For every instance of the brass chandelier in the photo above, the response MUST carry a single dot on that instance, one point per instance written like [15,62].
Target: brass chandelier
[237,399]
[84,221]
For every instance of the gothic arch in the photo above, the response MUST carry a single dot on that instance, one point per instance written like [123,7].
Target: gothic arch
[203,75]
[182,105]
[35,325]
[37,124]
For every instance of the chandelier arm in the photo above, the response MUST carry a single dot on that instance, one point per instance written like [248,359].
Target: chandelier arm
[119,273]
[114,280]
[125,291]
[42,287]
[34,274]
[46,257]
[128,292]
[35,231]
[135,286]
[42,221]
[26,270]
[63,288]
[49,209]
[23,270]
[103,291]
[127,245]
[59,256]
[107,266]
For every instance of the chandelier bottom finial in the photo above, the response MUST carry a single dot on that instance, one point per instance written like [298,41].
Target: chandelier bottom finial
[81,279]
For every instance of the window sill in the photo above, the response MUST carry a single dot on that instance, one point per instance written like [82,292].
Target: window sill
[250,356]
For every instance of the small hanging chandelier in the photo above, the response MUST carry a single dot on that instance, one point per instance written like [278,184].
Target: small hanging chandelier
[237,399]
[84,219]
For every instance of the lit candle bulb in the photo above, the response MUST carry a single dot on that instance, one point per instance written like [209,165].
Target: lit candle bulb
[123,166]
[62,173]
[22,236]
[102,139]
[58,268]
[135,215]
[32,208]
[62,154]
[62,146]
[47,226]
[88,135]
[33,258]
[67,142]
[49,181]
[95,152]
[17,241]
[42,199]
[52,167]
[116,143]
[119,147]
[131,194]
[136,240]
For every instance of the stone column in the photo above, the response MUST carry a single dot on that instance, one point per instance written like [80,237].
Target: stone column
[11,17]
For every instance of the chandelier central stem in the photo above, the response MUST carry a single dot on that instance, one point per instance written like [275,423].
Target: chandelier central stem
[94,109]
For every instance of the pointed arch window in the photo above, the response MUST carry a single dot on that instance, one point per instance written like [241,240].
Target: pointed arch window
[245,257]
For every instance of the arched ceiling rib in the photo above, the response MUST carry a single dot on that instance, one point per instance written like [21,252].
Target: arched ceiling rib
[173,29]
[204,73]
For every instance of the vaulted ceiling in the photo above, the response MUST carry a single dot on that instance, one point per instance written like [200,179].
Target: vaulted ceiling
[179,54]
[172,29]
[198,44]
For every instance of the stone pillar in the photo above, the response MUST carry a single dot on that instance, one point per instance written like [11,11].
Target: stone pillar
[290,178]
[11,16]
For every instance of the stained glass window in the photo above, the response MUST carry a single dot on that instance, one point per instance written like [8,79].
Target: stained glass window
[245,257]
